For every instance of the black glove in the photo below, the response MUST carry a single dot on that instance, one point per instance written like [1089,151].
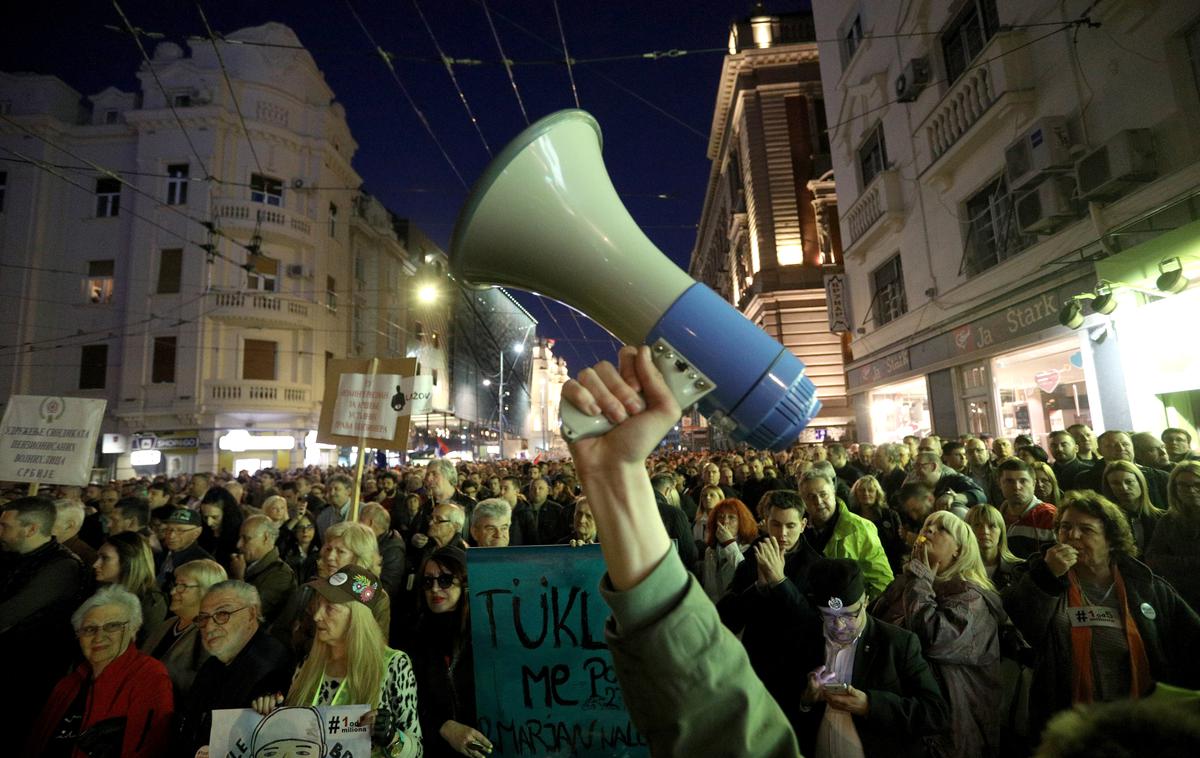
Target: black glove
[384,729]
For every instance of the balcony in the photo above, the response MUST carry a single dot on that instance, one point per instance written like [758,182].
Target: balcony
[877,211]
[263,309]
[256,395]
[997,87]
[274,223]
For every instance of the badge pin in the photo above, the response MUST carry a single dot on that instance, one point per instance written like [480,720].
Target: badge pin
[1149,612]
[835,603]
[338,579]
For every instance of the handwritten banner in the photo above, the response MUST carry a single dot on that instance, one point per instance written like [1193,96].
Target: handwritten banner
[325,731]
[49,440]
[372,402]
[544,681]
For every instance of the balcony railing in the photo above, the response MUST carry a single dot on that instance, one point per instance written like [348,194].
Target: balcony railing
[267,219]
[998,80]
[261,309]
[257,395]
[883,200]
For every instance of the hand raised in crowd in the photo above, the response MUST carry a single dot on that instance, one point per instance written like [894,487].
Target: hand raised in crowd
[770,562]
[725,534]
[946,501]
[419,540]
[1060,558]
[264,704]
[920,555]
[464,739]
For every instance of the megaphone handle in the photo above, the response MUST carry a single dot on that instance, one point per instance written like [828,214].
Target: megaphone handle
[686,383]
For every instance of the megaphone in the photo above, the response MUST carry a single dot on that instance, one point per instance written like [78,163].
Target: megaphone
[544,217]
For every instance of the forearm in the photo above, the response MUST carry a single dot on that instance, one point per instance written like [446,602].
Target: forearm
[631,534]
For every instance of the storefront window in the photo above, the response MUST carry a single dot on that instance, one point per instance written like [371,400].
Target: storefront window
[1041,389]
[898,410]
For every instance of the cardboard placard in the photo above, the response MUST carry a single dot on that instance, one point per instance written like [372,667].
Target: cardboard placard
[49,440]
[372,408]
[544,679]
[325,731]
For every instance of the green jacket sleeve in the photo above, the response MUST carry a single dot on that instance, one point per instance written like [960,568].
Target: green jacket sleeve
[685,678]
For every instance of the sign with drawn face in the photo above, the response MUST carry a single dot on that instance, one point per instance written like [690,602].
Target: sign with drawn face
[544,678]
[292,732]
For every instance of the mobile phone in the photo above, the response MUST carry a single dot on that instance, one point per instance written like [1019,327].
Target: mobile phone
[836,688]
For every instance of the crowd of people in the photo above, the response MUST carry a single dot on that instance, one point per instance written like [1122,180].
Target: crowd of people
[933,596]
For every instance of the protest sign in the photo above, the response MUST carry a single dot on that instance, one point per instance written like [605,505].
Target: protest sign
[544,680]
[49,440]
[321,732]
[369,402]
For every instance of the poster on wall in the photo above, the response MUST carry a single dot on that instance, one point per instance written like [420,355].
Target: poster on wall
[544,678]
[320,732]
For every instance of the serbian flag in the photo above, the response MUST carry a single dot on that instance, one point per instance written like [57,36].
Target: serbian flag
[443,448]
[537,459]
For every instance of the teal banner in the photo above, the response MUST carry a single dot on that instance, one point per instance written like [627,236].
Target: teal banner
[544,681]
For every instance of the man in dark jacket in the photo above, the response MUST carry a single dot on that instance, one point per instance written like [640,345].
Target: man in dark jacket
[541,520]
[181,531]
[952,491]
[767,602]
[392,551]
[40,585]
[874,688]
[673,519]
[1067,465]
[246,662]
[259,564]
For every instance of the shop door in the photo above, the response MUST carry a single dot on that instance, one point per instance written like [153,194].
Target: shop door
[975,392]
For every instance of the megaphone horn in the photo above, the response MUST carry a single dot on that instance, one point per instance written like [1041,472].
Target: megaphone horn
[544,217]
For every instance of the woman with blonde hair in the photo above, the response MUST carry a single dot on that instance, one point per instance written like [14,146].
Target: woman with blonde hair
[350,663]
[987,522]
[125,560]
[706,500]
[1124,484]
[1173,552]
[1045,483]
[945,597]
[870,501]
[177,641]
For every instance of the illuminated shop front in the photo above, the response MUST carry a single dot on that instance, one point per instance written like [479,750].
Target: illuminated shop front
[899,410]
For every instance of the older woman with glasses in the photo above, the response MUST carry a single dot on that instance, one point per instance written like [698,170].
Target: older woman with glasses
[118,701]
[441,652]
[1173,551]
[1103,625]
[177,641]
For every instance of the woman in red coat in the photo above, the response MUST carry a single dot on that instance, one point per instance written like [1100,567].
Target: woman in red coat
[118,702]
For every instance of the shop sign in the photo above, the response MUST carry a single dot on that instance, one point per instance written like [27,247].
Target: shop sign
[1026,317]
[836,304]
[176,442]
[879,369]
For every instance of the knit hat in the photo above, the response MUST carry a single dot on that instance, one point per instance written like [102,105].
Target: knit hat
[348,584]
[835,583]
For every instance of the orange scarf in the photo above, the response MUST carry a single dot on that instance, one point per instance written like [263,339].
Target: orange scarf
[1083,686]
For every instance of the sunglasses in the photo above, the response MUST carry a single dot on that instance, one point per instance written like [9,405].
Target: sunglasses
[444,581]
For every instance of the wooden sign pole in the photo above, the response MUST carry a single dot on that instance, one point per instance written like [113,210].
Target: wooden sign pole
[362,441]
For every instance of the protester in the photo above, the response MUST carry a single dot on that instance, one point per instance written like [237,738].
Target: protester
[1029,521]
[491,523]
[1102,625]
[125,560]
[945,597]
[869,501]
[1175,550]
[305,549]
[442,657]
[1125,485]
[835,532]
[583,523]
[177,642]
[706,499]
[1002,567]
[222,523]
[393,555]
[350,664]
[180,536]
[118,701]
[1045,483]
[731,532]
[259,564]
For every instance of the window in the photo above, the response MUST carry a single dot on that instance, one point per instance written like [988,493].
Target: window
[3,186]
[853,36]
[331,294]
[872,156]
[264,189]
[822,126]
[992,234]
[162,366]
[93,367]
[332,220]
[99,287]
[360,269]
[393,334]
[112,116]
[182,101]
[887,282]
[108,197]
[967,34]
[263,274]
[258,360]
[177,184]
[435,378]
[170,271]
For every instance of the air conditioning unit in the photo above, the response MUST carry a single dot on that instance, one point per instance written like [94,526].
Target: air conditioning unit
[1045,147]
[298,271]
[1117,166]
[914,78]
[1048,206]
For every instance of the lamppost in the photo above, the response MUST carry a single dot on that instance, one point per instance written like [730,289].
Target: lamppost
[518,348]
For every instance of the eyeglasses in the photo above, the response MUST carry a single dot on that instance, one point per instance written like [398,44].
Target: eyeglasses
[182,586]
[112,627]
[442,521]
[304,527]
[221,617]
[444,581]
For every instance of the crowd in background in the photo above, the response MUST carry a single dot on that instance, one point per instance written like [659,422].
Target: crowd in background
[933,596]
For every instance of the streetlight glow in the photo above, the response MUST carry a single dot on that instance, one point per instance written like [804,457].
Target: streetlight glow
[487,382]
[519,348]
[427,293]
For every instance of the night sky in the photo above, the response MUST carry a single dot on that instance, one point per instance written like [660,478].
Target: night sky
[655,114]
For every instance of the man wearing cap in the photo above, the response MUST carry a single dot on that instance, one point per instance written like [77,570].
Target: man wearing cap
[181,530]
[875,694]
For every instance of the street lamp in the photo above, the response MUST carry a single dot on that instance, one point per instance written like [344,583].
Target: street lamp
[518,348]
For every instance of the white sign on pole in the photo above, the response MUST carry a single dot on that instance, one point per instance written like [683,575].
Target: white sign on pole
[49,440]
[368,405]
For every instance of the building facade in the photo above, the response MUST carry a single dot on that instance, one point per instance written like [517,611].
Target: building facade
[204,296]
[1013,181]
[548,374]
[767,239]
